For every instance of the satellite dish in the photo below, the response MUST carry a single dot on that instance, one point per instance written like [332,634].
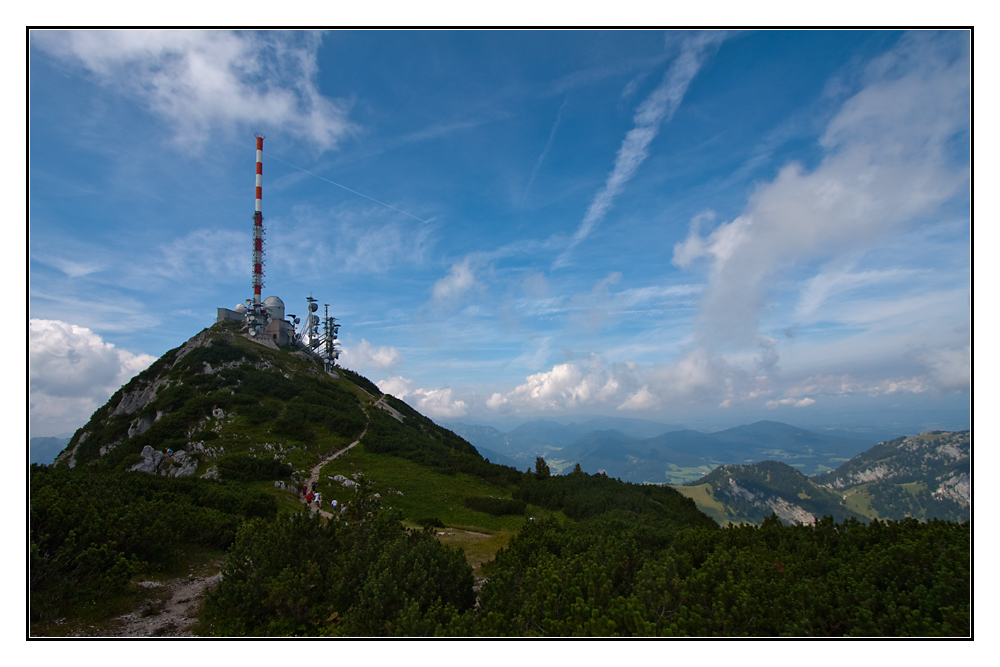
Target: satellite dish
[313,306]
[296,320]
[253,332]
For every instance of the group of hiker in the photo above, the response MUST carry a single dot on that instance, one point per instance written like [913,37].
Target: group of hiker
[311,495]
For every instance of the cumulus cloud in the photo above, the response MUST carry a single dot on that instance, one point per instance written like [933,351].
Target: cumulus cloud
[697,377]
[435,403]
[887,162]
[566,387]
[364,355]
[201,80]
[72,372]
[658,107]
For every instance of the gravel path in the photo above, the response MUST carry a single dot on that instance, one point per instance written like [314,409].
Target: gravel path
[172,618]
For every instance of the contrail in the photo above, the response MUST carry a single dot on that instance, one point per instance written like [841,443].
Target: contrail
[382,203]
[659,106]
[545,151]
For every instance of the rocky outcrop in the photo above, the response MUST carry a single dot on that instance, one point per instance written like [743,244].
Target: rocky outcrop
[155,462]
[138,398]
[151,459]
[140,425]
[955,486]
[179,464]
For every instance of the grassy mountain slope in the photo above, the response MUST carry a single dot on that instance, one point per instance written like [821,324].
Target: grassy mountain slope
[752,492]
[924,476]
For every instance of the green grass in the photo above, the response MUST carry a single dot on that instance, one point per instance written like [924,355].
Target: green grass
[679,475]
[859,500]
[914,487]
[426,492]
[706,502]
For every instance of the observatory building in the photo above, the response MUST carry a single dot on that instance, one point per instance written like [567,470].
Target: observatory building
[265,319]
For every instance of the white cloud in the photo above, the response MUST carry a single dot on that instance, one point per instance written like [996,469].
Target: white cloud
[199,81]
[435,403]
[641,400]
[829,284]
[365,355]
[795,403]
[887,163]
[439,403]
[566,387]
[950,369]
[397,386]
[71,373]
[461,278]
[659,106]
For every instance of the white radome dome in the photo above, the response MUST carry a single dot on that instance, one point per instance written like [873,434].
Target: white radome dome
[240,308]
[275,307]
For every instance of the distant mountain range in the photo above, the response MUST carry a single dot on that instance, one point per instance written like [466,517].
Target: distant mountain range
[45,450]
[927,476]
[644,451]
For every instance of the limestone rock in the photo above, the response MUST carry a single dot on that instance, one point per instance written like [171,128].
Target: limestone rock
[140,426]
[151,459]
[178,464]
[137,399]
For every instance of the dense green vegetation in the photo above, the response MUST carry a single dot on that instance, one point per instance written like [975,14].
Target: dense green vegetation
[620,574]
[92,530]
[420,440]
[371,577]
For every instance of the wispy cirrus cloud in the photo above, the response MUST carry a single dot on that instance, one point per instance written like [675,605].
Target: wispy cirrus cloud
[201,81]
[888,160]
[654,110]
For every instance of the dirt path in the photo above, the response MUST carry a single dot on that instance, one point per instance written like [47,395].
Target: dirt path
[314,474]
[172,617]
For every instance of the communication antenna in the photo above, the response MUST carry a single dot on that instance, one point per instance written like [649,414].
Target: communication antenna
[256,315]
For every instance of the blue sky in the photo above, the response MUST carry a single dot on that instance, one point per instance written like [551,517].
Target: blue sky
[697,228]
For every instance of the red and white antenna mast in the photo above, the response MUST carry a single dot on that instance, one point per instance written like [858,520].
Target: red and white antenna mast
[258,227]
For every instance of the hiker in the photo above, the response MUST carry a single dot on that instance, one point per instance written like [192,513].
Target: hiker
[333,504]
[309,498]
[305,490]
[319,500]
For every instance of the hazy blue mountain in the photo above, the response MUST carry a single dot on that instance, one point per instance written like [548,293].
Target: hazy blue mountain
[495,457]
[680,456]
[543,434]
[635,428]
[631,459]
[45,450]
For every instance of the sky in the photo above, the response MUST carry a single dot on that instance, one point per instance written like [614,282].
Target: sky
[699,228]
